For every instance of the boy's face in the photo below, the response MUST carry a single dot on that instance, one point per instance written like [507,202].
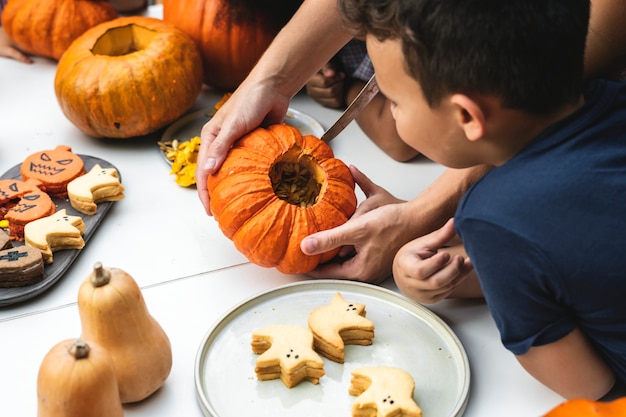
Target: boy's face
[435,132]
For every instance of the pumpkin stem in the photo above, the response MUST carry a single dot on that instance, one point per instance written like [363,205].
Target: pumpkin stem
[100,276]
[79,349]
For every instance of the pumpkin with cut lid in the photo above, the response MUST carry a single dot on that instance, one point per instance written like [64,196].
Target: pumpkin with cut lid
[276,187]
[128,77]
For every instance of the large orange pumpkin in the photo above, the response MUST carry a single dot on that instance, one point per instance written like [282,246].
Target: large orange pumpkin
[276,187]
[128,77]
[580,407]
[48,27]
[231,34]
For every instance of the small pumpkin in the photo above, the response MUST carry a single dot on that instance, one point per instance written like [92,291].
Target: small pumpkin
[231,34]
[275,187]
[113,314]
[48,27]
[128,77]
[580,407]
[77,378]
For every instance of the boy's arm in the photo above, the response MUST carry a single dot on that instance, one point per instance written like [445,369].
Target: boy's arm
[570,367]
[606,41]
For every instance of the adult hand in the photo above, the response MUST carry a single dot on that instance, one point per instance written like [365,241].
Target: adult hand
[426,273]
[368,241]
[7,49]
[250,105]
[327,87]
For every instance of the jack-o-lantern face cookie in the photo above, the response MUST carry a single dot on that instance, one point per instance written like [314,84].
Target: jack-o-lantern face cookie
[22,202]
[55,168]
[286,352]
[383,391]
[338,324]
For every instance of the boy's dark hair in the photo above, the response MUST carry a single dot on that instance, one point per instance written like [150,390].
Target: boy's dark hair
[529,53]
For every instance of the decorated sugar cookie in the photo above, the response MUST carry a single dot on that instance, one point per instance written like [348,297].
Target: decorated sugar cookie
[98,185]
[384,392]
[20,267]
[55,168]
[338,324]
[286,353]
[22,202]
[56,232]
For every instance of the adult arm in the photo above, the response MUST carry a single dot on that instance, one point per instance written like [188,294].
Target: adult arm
[570,367]
[301,48]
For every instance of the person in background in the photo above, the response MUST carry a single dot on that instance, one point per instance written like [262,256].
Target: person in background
[7,48]
[544,228]
[382,223]
[339,82]
[10,50]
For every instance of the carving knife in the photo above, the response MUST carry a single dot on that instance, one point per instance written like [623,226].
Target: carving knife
[365,96]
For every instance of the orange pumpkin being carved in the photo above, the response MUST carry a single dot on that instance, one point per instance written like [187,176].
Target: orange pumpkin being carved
[231,34]
[128,77]
[48,27]
[580,407]
[276,187]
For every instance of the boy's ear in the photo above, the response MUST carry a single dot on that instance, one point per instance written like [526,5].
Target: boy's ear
[470,116]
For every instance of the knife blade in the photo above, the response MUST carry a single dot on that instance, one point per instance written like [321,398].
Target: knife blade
[366,95]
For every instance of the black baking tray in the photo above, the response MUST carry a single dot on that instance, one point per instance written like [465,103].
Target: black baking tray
[63,259]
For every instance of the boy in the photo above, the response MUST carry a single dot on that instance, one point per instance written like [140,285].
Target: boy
[500,83]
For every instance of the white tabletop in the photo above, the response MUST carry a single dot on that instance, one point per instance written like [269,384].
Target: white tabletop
[190,274]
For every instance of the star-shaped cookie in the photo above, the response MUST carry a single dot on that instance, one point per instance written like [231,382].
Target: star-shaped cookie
[338,324]
[286,353]
[383,392]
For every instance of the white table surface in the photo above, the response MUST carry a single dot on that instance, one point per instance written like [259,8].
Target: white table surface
[190,274]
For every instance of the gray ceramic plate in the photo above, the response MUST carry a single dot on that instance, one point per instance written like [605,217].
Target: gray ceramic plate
[407,335]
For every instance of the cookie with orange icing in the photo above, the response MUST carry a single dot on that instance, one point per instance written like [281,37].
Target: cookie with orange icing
[54,168]
[22,202]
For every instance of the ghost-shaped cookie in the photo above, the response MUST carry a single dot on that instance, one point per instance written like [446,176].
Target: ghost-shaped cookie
[338,324]
[96,186]
[383,391]
[55,232]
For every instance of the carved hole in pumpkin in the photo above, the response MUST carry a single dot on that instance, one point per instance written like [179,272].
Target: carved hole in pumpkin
[123,40]
[297,178]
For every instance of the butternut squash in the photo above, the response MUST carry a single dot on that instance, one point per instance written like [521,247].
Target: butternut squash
[77,378]
[113,313]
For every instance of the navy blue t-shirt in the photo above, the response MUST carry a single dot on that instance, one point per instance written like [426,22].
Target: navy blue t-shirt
[546,231]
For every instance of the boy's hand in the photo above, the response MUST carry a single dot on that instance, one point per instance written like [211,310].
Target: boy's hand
[327,87]
[368,241]
[427,273]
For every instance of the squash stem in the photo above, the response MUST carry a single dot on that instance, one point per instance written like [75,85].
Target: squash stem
[79,349]
[100,275]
